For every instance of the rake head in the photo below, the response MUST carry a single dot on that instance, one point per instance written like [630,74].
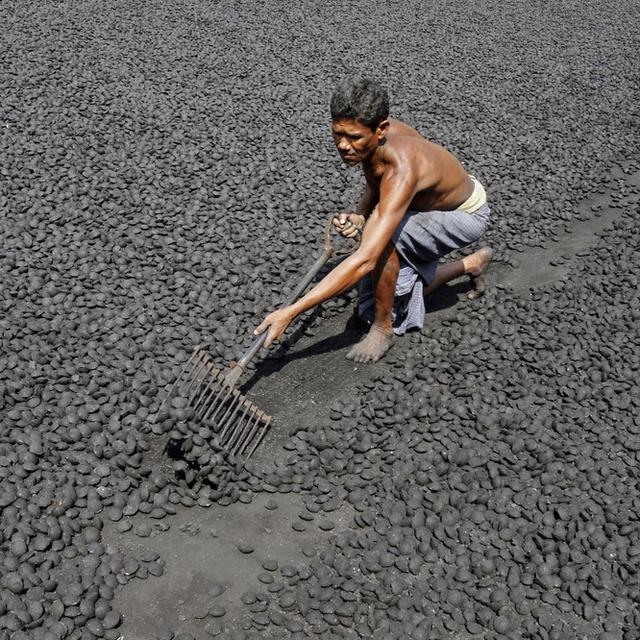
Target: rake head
[238,424]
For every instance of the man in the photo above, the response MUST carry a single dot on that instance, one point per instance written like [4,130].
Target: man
[418,205]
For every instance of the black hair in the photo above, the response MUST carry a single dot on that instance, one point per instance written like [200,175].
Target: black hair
[360,99]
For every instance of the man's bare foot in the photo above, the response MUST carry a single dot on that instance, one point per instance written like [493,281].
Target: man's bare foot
[479,260]
[373,346]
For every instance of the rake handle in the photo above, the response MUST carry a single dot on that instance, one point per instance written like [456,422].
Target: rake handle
[321,260]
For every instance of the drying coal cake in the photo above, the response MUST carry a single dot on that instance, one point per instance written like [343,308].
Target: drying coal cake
[164,170]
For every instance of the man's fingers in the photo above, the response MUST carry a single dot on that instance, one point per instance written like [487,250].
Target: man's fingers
[357,220]
[340,221]
[352,230]
[347,224]
[260,328]
[270,338]
[345,227]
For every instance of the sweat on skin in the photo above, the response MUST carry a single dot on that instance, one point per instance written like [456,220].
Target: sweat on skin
[403,172]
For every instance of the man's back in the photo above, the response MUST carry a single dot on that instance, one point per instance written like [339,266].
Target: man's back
[443,184]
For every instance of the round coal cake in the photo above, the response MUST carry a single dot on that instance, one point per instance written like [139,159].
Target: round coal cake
[172,195]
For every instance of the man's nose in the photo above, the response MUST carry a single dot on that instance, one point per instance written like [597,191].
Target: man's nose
[343,145]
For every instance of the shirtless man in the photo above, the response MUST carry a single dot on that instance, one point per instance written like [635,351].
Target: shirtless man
[418,205]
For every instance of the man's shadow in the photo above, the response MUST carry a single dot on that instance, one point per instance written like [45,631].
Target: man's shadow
[445,297]
[284,355]
[448,295]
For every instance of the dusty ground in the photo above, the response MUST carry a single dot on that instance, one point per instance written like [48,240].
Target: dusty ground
[165,170]
[200,546]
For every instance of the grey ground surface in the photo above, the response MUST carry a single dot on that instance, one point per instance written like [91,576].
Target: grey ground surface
[298,389]
[165,172]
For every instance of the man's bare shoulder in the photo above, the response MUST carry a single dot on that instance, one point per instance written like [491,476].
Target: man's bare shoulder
[399,128]
[405,147]
[405,150]
[407,154]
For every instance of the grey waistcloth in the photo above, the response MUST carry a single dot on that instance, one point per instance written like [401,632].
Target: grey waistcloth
[421,239]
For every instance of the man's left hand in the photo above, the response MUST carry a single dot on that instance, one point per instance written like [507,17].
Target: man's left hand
[277,322]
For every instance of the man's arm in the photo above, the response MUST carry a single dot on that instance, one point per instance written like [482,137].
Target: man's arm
[368,201]
[396,193]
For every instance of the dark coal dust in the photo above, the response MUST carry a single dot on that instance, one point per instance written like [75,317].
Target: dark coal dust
[166,169]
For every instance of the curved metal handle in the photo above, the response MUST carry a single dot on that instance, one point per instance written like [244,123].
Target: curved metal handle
[321,260]
[328,245]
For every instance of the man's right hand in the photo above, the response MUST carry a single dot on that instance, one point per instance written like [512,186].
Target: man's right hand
[349,224]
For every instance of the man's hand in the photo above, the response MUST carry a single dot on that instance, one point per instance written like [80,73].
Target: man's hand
[349,224]
[277,322]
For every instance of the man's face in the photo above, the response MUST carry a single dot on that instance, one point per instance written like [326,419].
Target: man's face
[355,141]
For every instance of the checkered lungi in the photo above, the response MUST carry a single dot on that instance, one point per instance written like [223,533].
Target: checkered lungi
[421,239]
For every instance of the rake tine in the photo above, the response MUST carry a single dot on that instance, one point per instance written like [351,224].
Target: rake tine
[204,356]
[195,380]
[232,405]
[197,364]
[238,429]
[175,384]
[244,418]
[197,388]
[259,438]
[208,400]
[216,402]
[204,394]
[225,421]
[203,353]
[245,436]
[212,401]
[185,366]
[252,431]
[220,405]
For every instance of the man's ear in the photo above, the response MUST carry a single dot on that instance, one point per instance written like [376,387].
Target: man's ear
[382,129]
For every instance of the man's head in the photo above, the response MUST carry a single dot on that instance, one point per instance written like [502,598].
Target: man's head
[359,112]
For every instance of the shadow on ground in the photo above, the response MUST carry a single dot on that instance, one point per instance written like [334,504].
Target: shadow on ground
[297,388]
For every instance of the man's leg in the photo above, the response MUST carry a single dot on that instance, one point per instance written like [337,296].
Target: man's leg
[380,336]
[473,265]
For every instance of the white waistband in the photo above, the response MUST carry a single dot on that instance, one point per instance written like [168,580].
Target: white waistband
[477,198]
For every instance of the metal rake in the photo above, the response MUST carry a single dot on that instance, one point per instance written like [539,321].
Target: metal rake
[238,424]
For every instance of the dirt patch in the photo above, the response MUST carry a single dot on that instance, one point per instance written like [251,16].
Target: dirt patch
[540,266]
[298,388]
[201,555]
